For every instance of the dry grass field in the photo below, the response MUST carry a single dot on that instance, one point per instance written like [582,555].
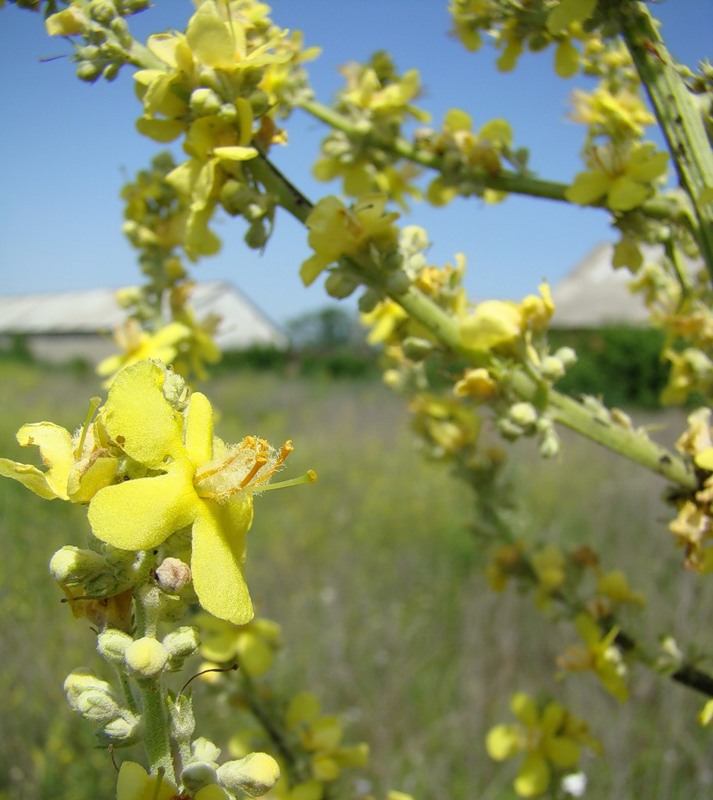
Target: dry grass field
[378,584]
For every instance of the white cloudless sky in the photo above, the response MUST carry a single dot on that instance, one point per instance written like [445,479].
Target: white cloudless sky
[67,147]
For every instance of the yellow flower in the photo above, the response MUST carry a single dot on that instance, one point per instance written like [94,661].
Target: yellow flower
[135,784]
[139,345]
[493,323]
[548,564]
[335,231]
[599,654]
[194,480]
[78,465]
[623,177]
[550,739]
[253,644]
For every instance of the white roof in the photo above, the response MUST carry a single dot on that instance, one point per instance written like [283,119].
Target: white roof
[95,311]
[594,294]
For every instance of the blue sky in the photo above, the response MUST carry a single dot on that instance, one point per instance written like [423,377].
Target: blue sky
[67,147]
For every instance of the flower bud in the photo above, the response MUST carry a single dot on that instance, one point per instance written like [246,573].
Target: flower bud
[198,774]
[79,681]
[567,356]
[121,729]
[228,112]
[147,657]
[173,574]
[71,565]
[204,101]
[110,71]
[416,349]
[134,6]
[398,283]
[253,775]
[203,749]
[257,235]
[102,11]
[88,71]
[112,645]
[120,29]
[96,706]
[552,368]
[340,285]
[369,301]
[180,644]
[524,415]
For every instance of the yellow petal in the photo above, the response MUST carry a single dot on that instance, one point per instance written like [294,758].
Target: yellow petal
[218,550]
[55,445]
[134,784]
[235,153]
[138,417]
[533,777]
[141,513]
[30,477]
[209,38]
[561,751]
[89,476]
[587,187]
[524,708]
[626,194]
[502,742]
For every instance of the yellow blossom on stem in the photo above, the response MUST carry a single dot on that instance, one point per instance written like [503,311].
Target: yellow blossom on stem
[253,645]
[621,177]
[549,738]
[548,564]
[600,655]
[335,231]
[194,481]
[138,345]
[78,465]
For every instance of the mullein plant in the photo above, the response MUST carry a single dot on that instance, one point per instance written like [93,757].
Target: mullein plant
[167,501]
[170,506]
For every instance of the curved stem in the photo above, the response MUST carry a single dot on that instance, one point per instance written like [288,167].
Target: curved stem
[567,411]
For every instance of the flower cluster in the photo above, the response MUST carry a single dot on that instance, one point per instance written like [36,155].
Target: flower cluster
[549,737]
[150,466]
[376,102]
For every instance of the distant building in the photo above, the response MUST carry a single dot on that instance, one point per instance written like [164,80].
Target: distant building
[595,295]
[58,326]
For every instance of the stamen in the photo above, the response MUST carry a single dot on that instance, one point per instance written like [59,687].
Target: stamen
[260,462]
[286,449]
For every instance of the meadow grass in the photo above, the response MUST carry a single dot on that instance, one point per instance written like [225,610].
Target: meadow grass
[377,580]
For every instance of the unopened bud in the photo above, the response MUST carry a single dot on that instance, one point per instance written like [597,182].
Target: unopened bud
[79,681]
[567,356]
[110,71]
[552,368]
[398,283]
[524,415]
[121,729]
[257,235]
[112,645]
[253,775]
[96,706]
[340,285]
[416,349]
[197,775]
[173,574]
[146,657]
[204,101]
[102,11]
[180,644]
[88,71]
[71,565]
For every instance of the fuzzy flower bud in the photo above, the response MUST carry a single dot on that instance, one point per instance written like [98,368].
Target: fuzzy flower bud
[253,775]
[180,644]
[524,415]
[90,697]
[567,356]
[204,101]
[71,565]
[198,774]
[112,645]
[173,574]
[552,368]
[147,657]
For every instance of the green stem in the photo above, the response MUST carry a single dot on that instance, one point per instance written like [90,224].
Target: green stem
[505,181]
[676,111]
[567,411]
[155,724]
